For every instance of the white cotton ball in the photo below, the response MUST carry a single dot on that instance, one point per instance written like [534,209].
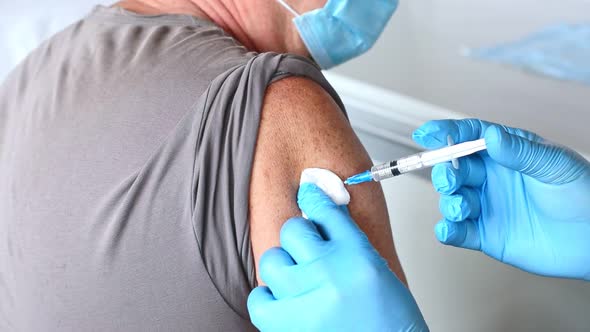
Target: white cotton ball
[329,182]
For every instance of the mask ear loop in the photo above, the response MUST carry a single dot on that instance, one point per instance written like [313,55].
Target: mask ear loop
[289,8]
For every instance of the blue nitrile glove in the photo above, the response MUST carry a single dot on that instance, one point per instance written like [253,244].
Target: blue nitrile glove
[328,277]
[524,201]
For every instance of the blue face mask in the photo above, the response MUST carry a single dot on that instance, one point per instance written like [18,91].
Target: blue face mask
[342,29]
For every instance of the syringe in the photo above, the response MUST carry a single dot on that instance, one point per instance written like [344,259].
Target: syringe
[417,161]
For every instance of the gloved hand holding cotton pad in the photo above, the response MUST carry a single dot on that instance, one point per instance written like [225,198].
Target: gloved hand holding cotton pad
[318,280]
[329,182]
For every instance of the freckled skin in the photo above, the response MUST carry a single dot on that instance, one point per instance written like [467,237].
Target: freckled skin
[302,127]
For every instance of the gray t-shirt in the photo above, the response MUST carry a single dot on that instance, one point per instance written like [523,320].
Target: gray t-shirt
[126,146]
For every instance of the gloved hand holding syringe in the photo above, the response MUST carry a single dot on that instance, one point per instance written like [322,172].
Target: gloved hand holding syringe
[418,161]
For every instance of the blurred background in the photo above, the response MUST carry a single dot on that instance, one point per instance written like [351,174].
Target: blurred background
[418,63]
[419,56]
[416,72]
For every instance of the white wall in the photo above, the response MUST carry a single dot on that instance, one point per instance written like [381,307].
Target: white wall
[26,23]
[419,56]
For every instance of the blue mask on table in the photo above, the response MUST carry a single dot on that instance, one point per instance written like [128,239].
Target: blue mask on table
[342,29]
[560,51]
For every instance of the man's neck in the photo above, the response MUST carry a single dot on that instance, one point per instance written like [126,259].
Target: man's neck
[222,13]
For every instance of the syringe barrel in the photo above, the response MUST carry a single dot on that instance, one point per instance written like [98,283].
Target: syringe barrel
[384,171]
[396,167]
[425,159]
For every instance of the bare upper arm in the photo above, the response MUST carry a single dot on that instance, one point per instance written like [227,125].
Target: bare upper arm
[302,127]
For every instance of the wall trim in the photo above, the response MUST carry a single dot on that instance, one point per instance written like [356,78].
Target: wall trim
[383,119]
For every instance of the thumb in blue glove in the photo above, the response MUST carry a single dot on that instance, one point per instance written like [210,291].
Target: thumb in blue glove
[328,277]
[524,201]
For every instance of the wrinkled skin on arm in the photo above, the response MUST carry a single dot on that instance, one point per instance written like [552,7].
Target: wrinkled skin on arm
[302,127]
